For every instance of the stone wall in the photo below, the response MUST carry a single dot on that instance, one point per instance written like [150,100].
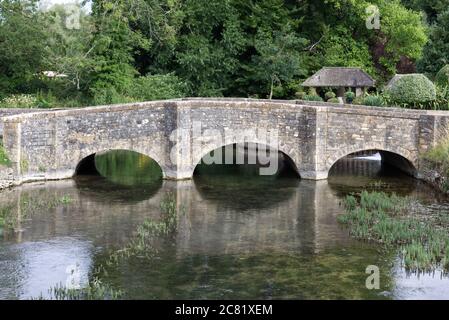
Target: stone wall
[5,112]
[50,145]
[6,177]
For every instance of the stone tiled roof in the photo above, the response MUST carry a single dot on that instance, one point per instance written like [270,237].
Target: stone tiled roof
[340,77]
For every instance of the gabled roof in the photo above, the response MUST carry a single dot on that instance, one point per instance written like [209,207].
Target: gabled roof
[340,77]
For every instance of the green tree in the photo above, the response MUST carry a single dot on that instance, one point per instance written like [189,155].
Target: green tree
[211,39]
[278,60]
[436,51]
[402,33]
[70,48]
[114,43]
[23,40]
[432,8]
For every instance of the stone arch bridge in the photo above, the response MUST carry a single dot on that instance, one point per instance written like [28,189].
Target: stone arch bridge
[50,145]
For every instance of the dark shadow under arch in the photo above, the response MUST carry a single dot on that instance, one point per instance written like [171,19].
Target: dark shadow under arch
[399,162]
[388,158]
[241,187]
[86,167]
[285,166]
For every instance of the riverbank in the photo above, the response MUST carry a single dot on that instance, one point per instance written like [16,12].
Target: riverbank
[435,163]
[435,175]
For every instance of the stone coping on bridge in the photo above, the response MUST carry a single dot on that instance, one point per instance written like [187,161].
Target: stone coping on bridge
[18,116]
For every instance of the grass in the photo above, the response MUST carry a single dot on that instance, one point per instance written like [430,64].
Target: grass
[423,241]
[437,158]
[439,154]
[4,159]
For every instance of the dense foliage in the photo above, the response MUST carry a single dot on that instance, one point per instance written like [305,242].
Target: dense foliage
[130,50]
[442,77]
[436,51]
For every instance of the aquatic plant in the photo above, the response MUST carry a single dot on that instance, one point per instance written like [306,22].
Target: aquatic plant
[143,245]
[150,232]
[65,199]
[423,241]
[94,290]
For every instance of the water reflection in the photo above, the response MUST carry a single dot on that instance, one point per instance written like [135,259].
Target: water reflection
[238,237]
[127,167]
[30,268]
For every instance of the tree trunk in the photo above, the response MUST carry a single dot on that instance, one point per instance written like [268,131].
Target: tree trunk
[271,88]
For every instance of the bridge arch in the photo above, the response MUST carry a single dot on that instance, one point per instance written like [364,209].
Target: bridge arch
[290,158]
[85,162]
[400,158]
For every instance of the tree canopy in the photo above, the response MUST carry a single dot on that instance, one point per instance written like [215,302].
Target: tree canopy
[241,48]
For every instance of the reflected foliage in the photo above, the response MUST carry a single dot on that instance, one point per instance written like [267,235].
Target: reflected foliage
[127,167]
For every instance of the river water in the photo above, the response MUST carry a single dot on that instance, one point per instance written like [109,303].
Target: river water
[239,235]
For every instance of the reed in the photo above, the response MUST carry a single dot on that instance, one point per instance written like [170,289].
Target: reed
[422,241]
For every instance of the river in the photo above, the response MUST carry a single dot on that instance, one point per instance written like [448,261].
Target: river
[239,235]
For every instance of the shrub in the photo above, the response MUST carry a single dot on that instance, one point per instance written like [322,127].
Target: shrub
[313,98]
[358,100]
[330,95]
[349,95]
[158,87]
[333,100]
[312,91]
[4,159]
[412,90]
[373,100]
[19,101]
[300,95]
[109,95]
[46,100]
[442,77]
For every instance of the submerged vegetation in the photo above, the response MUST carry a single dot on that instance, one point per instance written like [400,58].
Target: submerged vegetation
[144,245]
[149,233]
[422,239]
[94,290]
